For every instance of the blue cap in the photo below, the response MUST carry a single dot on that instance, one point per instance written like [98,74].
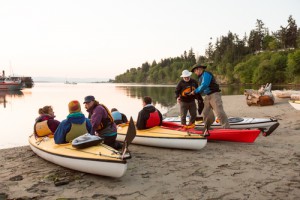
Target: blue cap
[88,99]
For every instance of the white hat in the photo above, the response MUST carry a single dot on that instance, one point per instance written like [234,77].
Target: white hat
[186,73]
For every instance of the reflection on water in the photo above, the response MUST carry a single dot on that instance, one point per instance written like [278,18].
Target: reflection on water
[164,95]
[7,96]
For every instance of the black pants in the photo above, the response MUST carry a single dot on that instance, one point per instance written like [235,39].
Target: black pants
[188,107]
[111,141]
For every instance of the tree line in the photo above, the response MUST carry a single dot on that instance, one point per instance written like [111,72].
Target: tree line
[262,57]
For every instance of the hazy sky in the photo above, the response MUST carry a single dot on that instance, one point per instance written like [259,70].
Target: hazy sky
[95,38]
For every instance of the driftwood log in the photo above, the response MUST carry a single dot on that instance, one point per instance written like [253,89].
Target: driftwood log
[261,97]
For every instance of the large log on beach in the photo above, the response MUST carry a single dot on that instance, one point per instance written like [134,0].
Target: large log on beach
[261,97]
[265,100]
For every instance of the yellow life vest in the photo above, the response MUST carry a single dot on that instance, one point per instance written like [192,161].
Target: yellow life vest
[42,128]
[75,131]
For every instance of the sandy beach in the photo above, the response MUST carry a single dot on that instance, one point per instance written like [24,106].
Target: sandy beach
[266,169]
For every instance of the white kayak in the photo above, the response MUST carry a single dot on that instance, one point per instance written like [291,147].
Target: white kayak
[88,157]
[99,159]
[166,138]
[266,125]
[295,104]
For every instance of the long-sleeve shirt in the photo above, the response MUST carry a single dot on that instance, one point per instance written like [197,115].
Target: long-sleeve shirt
[207,84]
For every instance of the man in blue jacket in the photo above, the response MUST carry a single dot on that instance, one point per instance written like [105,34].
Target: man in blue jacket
[75,125]
[213,100]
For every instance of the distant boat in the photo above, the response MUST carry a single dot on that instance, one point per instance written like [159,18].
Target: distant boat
[68,82]
[9,83]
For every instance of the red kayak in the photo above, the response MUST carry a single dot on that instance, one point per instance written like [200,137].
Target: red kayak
[231,135]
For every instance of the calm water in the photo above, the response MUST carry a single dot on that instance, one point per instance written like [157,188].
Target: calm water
[18,110]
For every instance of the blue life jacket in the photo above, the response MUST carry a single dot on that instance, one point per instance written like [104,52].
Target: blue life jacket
[116,115]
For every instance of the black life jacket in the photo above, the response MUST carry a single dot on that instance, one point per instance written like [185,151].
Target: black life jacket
[187,90]
[106,121]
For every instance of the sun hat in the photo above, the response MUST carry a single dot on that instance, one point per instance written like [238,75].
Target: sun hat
[88,99]
[198,66]
[186,73]
[74,106]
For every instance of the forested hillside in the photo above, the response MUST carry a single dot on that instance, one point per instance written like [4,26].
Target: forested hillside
[262,57]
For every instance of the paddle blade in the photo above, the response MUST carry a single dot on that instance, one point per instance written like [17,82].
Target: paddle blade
[271,129]
[131,132]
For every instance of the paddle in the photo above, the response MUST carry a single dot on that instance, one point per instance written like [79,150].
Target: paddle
[270,130]
[131,133]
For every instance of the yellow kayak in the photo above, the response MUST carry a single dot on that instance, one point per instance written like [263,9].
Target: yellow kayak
[85,155]
[100,159]
[162,137]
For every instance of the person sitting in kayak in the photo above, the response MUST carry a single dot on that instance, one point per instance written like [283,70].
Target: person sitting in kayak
[45,124]
[75,125]
[149,116]
[102,122]
[119,118]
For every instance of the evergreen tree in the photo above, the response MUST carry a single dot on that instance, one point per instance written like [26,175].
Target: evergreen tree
[291,34]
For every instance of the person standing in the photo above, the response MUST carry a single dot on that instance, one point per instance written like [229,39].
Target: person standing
[149,116]
[186,101]
[75,125]
[102,122]
[213,101]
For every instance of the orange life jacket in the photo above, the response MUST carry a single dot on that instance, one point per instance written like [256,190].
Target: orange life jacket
[42,128]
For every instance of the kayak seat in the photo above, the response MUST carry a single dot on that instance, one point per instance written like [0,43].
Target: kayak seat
[235,119]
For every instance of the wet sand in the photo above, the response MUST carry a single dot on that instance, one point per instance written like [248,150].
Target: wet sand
[266,169]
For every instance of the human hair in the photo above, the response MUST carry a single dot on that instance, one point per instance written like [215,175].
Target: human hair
[45,110]
[147,100]
[113,110]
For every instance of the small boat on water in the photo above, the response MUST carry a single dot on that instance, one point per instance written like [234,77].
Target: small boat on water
[231,135]
[95,159]
[10,83]
[7,83]
[72,83]
[295,104]
[266,125]
[166,138]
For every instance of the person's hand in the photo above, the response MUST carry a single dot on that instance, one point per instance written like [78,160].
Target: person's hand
[192,92]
